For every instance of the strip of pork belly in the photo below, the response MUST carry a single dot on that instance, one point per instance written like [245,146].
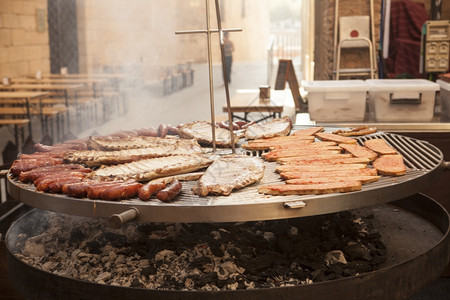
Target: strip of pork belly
[285,160]
[323,173]
[359,151]
[307,189]
[334,161]
[94,158]
[277,154]
[295,168]
[148,169]
[308,131]
[308,180]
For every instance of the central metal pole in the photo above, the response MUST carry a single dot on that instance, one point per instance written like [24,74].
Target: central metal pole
[211,81]
[225,76]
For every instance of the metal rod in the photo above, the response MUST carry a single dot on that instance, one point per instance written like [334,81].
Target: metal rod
[211,81]
[205,31]
[225,77]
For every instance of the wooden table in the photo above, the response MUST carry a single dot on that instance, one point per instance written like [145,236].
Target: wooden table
[27,96]
[65,88]
[247,101]
[95,82]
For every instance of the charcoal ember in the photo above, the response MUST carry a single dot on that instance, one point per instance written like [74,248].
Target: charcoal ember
[357,251]
[258,264]
[208,257]
[150,270]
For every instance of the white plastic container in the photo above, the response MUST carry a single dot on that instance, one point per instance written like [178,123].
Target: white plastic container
[336,100]
[445,99]
[402,100]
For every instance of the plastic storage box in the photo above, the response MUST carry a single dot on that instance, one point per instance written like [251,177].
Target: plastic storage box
[336,100]
[445,99]
[402,100]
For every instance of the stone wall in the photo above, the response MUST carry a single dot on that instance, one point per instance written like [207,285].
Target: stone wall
[23,48]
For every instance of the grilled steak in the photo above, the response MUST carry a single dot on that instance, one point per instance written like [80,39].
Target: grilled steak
[359,151]
[391,165]
[276,127]
[306,189]
[148,169]
[94,158]
[201,132]
[325,136]
[380,146]
[229,173]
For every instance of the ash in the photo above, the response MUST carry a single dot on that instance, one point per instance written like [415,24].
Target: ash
[205,256]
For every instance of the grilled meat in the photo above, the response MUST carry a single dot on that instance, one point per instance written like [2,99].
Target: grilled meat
[391,165]
[229,173]
[306,189]
[380,146]
[148,169]
[94,158]
[201,132]
[276,127]
[359,151]
[325,136]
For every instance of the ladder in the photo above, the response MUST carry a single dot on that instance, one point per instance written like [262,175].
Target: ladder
[354,32]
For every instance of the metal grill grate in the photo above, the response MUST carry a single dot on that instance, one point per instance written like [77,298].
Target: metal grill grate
[424,166]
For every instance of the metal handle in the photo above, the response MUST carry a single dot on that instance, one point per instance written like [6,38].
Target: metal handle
[117,220]
[3,173]
[405,99]
[294,204]
[446,165]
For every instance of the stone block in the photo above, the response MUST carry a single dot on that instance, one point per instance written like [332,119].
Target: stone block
[18,37]
[6,6]
[27,22]
[5,37]
[16,54]
[10,21]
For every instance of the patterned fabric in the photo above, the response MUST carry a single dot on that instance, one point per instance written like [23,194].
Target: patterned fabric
[407,19]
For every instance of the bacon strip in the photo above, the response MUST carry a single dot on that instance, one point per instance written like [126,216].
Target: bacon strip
[326,168]
[306,189]
[359,151]
[380,146]
[308,180]
[335,138]
[308,131]
[277,154]
[323,173]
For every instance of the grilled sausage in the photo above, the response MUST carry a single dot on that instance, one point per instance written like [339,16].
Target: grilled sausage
[35,173]
[95,191]
[147,132]
[42,184]
[22,165]
[167,194]
[121,191]
[171,130]
[56,185]
[78,189]
[150,189]
[162,130]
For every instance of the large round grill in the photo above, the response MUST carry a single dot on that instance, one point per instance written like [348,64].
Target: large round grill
[424,162]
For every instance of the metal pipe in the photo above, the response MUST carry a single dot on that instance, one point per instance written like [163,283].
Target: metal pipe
[211,81]
[225,76]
